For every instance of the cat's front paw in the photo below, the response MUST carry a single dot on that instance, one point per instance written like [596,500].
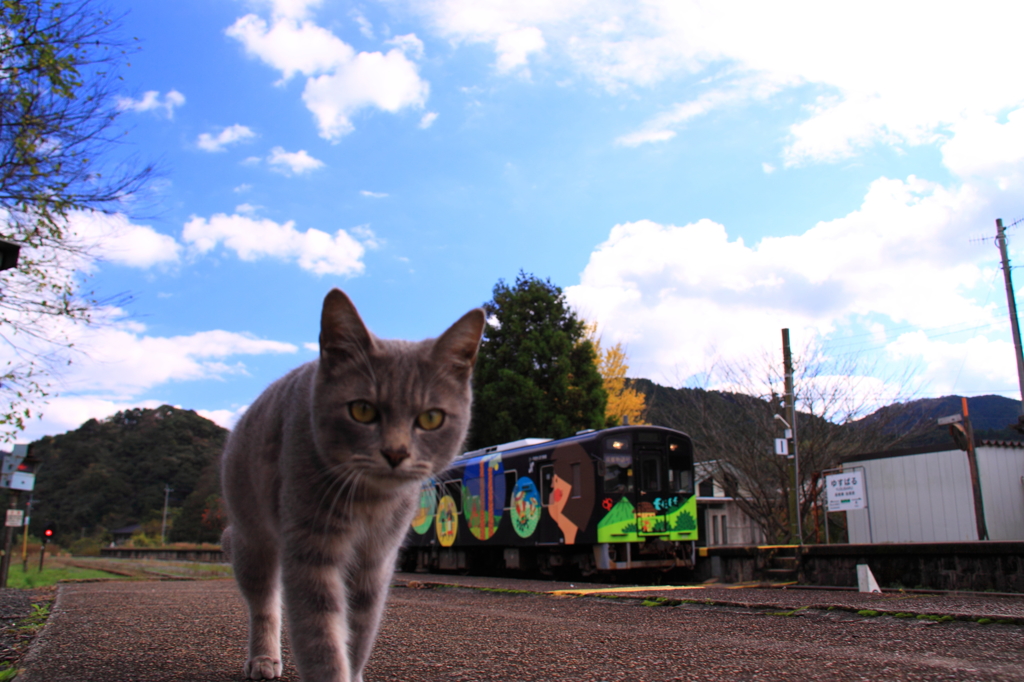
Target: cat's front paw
[262,668]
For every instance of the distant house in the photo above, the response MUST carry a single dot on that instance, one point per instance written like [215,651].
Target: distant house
[123,535]
[925,494]
[720,519]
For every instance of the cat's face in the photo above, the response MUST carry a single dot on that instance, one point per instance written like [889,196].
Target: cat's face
[391,413]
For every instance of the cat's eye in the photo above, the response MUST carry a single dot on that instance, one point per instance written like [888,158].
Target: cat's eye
[430,420]
[362,411]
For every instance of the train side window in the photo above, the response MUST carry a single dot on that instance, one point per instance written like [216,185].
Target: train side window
[577,482]
[454,488]
[510,482]
[680,466]
[547,474]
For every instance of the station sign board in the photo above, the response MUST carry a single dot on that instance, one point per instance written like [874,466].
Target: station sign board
[845,491]
[15,518]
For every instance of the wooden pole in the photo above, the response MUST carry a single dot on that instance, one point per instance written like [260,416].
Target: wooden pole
[972,462]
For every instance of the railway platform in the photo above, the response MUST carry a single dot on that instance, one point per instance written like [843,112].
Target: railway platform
[477,628]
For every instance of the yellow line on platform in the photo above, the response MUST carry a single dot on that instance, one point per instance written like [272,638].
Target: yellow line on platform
[649,588]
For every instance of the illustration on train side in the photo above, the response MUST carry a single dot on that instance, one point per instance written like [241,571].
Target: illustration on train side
[616,499]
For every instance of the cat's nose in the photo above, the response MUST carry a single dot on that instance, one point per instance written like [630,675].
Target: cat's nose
[395,457]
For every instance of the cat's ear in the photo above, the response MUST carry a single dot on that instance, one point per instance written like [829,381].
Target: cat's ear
[458,346]
[342,332]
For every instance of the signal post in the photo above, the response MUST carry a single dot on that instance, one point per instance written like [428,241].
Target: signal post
[17,473]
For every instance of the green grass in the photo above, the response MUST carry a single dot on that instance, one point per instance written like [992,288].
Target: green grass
[937,619]
[36,621]
[16,577]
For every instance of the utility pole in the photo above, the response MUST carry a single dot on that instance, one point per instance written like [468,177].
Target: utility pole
[163,526]
[1012,305]
[5,561]
[972,464]
[795,525]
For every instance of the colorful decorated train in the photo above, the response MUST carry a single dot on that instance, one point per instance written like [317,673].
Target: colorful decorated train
[610,500]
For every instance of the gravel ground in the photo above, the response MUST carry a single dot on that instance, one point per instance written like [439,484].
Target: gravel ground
[184,631]
[961,605]
[15,606]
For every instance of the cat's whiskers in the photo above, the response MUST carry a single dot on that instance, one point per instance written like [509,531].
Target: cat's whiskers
[344,480]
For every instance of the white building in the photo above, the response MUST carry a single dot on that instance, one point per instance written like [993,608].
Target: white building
[925,494]
[720,519]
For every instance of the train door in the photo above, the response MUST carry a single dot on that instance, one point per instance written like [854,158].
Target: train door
[652,490]
[549,533]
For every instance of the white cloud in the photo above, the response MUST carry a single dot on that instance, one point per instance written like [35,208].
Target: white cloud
[115,239]
[225,418]
[341,82]
[117,363]
[312,346]
[385,81]
[409,44]
[292,162]
[373,195]
[247,209]
[252,239]
[645,136]
[972,367]
[980,146]
[367,236]
[893,74]
[662,127]
[674,293]
[229,135]
[294,9]
[428,120]
[291,46]
[151,101]
[123,362]
[514,47]
[65,413]
[365,27]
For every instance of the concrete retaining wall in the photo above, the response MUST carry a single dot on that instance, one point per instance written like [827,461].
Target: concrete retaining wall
[970,566]
[212,555]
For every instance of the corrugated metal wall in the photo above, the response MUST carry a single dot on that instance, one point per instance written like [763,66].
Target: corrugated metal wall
[915,498]
[1001,470]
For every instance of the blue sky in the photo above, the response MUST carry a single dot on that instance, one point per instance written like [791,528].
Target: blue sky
[696,176]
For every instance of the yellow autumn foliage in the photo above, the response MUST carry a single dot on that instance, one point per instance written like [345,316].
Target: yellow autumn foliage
[612,365]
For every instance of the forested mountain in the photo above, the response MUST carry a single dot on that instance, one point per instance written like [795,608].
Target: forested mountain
[990,415]
[112,473]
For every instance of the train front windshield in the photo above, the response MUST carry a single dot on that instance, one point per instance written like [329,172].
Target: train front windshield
[654,470]
[645,461]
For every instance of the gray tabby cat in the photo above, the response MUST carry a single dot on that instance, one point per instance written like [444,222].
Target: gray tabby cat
[321,479]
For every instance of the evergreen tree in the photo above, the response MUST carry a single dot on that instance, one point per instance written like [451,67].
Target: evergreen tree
[536,374]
